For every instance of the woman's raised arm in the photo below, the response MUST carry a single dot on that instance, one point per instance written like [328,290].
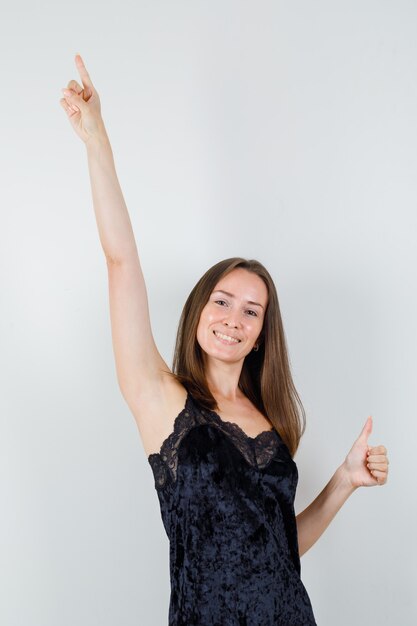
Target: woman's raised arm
[139,365]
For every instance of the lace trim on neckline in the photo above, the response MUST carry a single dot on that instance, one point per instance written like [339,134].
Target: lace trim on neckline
[257,451]
[233,426]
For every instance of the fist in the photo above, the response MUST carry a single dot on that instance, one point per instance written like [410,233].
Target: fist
[365,465]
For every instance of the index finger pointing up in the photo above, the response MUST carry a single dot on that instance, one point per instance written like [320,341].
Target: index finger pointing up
[85,78]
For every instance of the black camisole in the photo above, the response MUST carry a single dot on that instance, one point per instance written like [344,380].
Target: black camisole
[227,505]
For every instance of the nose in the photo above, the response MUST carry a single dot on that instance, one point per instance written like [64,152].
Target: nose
[231,317]
[230,322]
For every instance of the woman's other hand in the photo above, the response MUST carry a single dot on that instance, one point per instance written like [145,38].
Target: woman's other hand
[82,105]
[366,466]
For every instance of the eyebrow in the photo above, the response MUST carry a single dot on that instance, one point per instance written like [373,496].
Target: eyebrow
[226,293]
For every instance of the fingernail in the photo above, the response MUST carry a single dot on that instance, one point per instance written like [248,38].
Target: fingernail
[66,92]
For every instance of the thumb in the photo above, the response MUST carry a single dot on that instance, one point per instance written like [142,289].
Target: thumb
[366,430]
[73,98]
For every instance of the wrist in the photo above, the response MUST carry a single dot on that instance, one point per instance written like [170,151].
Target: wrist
[343,479]
[99,141]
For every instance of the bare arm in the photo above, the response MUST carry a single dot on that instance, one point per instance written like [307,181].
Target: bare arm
[138,363]
[112,217]
[313,521]
[364,466]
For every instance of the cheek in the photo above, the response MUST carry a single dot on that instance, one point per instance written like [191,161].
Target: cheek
[201,328]
[257,327]
[207,318]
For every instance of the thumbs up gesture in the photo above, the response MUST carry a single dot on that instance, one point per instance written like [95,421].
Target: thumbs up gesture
[366,466]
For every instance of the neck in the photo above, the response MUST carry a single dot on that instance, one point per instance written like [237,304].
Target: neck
[223,378]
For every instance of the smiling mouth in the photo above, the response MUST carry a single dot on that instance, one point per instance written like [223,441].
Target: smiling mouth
[226,337]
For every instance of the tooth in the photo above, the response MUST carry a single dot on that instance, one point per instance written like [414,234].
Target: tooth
[227,338]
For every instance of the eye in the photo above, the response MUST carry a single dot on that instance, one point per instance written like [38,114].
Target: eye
[216,301]
[254,313]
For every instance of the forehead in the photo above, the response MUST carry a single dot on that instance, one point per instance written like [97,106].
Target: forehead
[245,285]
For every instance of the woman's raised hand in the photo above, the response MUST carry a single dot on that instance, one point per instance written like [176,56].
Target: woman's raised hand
[82,105]
[365,465]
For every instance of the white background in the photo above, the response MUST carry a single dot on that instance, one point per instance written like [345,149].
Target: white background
[281,131]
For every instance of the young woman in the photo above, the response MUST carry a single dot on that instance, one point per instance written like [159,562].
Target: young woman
[221,428]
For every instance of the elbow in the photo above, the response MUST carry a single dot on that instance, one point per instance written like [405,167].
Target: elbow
[302,550]
[112,260]
[126,257]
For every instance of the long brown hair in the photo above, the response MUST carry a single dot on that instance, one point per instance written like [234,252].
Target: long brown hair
[266,376]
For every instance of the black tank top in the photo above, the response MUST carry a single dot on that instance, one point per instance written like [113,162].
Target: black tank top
[227,505]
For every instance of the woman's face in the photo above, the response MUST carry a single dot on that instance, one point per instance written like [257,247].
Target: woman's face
[237,314]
